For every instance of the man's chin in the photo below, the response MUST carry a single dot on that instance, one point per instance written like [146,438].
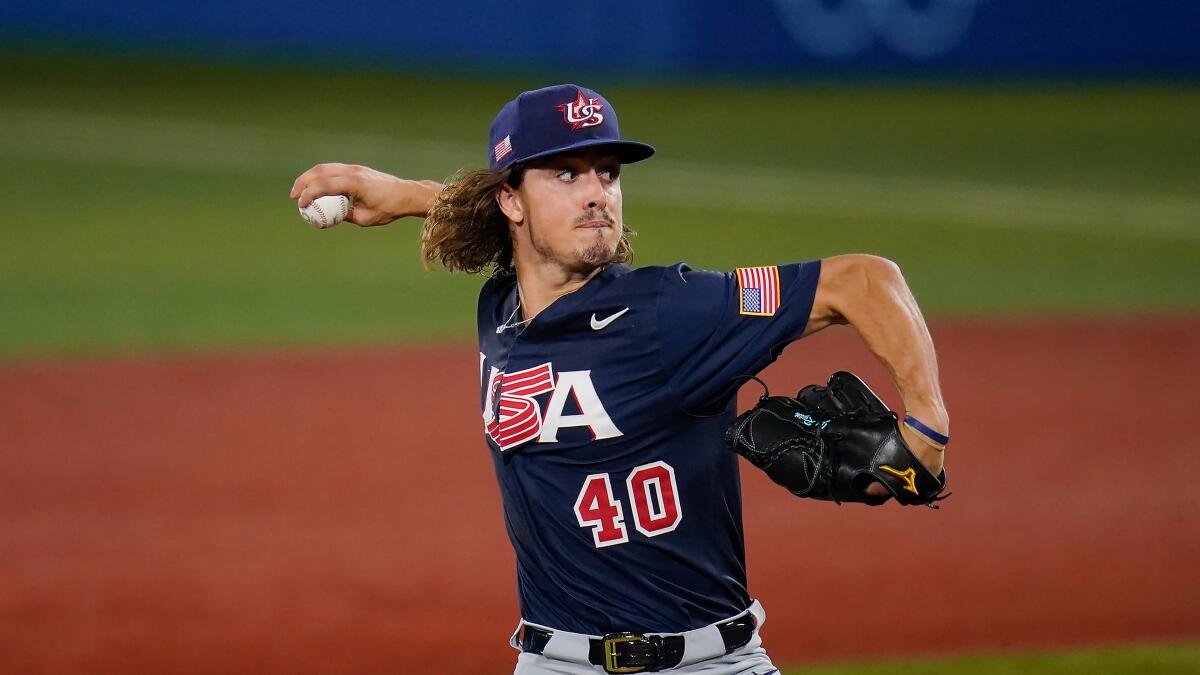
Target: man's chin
[596,256]
[600,249]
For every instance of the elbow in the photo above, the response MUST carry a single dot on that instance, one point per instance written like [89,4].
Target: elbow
[863,273]
[877,269]
[864,282]
[854,285]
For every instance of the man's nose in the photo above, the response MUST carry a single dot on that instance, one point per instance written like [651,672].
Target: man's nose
[594,195]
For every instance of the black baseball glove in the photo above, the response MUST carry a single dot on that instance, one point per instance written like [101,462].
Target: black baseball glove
[832,442]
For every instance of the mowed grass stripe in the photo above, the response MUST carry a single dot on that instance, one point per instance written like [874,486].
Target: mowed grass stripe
[187,144]
[232,148]
[152,209]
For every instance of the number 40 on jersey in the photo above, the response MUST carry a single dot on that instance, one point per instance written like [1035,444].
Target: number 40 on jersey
[655,497]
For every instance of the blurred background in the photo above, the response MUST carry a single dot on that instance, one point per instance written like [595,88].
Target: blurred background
[232,443]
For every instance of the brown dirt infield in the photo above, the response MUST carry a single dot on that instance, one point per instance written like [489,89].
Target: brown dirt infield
[335,512]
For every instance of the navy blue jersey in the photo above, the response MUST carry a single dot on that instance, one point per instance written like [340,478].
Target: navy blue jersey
[605,418]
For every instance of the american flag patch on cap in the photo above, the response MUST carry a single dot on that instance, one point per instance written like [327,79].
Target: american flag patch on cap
[759,290]
[503,148]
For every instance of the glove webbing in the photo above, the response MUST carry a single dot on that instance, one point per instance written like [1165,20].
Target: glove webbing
[808,450]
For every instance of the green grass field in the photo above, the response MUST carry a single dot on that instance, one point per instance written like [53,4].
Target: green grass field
[148,202]
[1137,660]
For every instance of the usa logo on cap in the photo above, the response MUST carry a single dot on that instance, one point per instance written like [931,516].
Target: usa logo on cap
[558,119]
[583,112]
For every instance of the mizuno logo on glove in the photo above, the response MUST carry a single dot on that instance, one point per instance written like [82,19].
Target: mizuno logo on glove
[909,476]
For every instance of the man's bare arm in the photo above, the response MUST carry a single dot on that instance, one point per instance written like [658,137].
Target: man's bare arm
[379,198]
[870,294]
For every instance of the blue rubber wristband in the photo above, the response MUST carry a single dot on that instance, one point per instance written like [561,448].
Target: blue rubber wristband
[921,427]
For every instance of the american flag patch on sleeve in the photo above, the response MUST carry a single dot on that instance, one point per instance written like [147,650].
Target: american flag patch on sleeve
[758,288]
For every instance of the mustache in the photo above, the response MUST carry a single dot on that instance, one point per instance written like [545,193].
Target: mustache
[596,215]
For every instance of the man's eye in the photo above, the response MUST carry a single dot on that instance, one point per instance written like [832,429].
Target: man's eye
[610,174]
[566,174]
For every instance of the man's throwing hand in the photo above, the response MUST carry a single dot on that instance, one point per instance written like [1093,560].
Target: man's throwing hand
[378,198]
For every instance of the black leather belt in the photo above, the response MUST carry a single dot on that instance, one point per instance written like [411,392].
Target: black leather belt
[635,652]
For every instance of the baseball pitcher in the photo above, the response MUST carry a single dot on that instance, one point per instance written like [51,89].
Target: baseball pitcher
[607,393]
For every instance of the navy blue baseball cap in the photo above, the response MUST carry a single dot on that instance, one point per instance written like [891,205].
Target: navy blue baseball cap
[554,120]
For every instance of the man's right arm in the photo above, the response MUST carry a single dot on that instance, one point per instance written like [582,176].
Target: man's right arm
[870,294]
[379,198]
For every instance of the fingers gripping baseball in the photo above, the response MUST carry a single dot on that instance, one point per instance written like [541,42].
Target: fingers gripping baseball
[378,198]
[320,180]
[366,190]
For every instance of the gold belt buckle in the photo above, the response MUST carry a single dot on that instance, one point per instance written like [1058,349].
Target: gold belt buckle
[610,651]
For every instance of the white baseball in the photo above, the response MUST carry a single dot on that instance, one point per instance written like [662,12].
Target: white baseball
[327,211]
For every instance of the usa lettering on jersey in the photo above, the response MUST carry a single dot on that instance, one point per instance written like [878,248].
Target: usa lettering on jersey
[517,417]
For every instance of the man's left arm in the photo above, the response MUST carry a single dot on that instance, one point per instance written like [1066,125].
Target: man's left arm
[870,294]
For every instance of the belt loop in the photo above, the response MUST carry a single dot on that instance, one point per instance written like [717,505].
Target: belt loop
[760,615]
[515,640]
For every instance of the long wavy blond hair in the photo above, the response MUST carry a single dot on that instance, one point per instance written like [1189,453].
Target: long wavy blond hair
[466,231]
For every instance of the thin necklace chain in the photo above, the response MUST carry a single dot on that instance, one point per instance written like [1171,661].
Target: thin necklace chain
[509,323]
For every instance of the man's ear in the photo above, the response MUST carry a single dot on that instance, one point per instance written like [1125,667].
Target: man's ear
[510,204]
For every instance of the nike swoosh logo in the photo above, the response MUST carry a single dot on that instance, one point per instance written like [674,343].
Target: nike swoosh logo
[598,324]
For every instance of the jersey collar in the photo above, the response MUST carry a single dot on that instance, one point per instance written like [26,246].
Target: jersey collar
[563,307]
